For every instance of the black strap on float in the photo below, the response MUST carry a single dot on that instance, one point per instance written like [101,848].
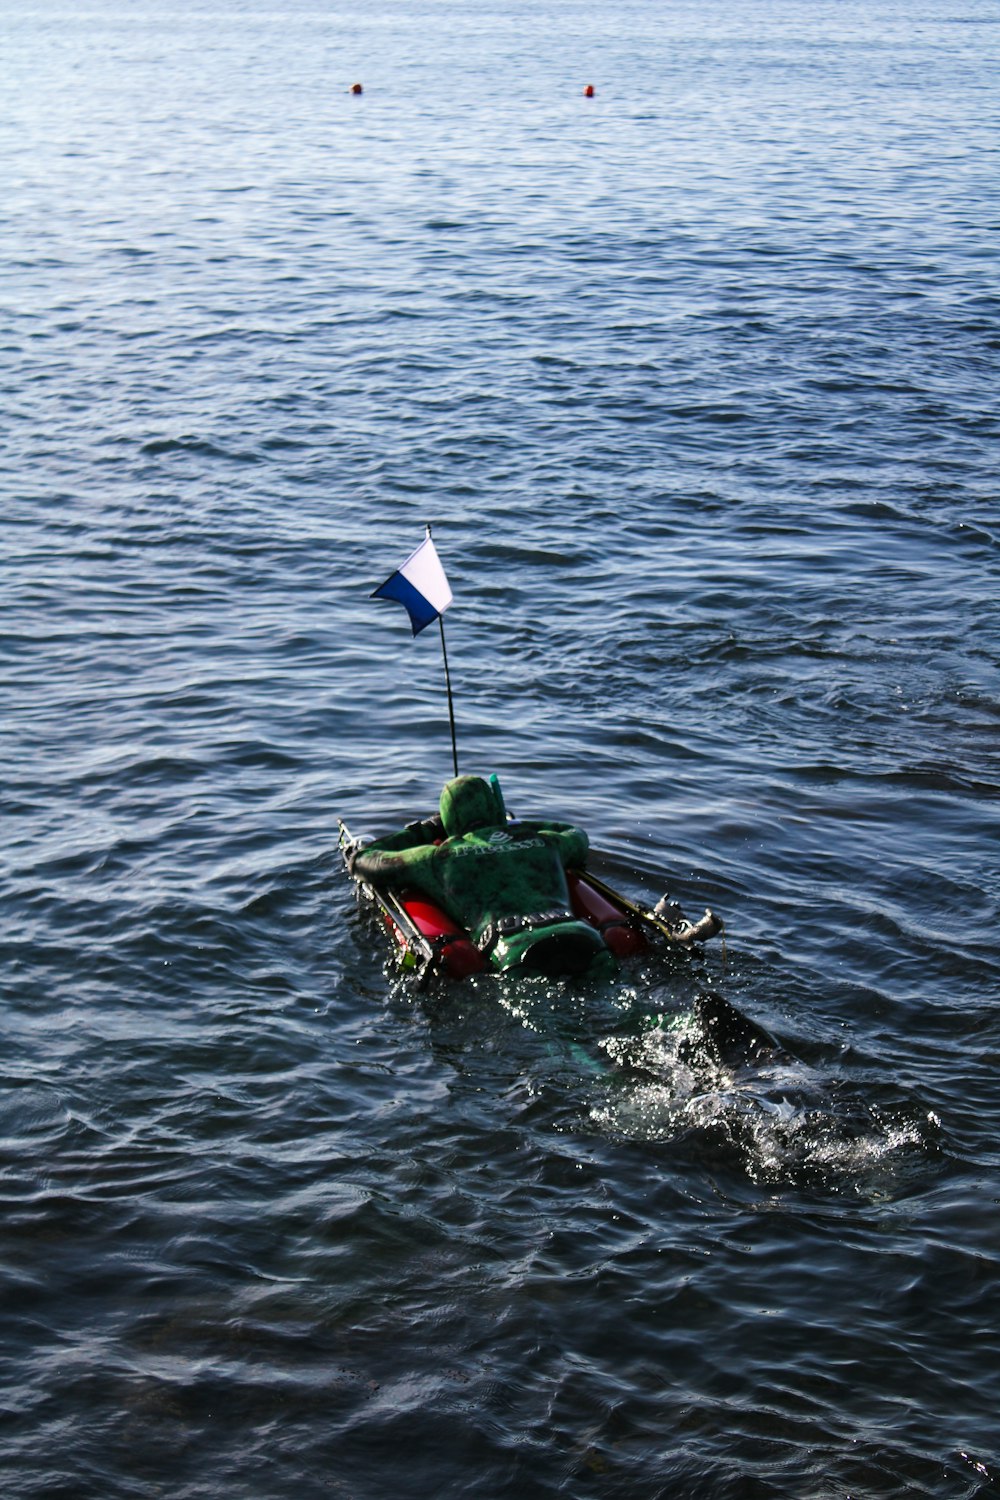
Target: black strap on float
[505,927]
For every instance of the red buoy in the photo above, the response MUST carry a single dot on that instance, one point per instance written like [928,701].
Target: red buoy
[588,92]
[356,88]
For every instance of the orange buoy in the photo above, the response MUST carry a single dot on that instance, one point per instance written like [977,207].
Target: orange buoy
[588,92]
[356,88]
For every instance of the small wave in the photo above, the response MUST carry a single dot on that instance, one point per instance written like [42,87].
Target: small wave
[32,1115]
[200,447]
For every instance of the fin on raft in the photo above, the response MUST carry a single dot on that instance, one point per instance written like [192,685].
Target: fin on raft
[728,1035]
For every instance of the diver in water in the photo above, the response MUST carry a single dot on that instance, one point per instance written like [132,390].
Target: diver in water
[504,882]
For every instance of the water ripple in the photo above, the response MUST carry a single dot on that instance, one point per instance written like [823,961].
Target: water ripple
[694,379]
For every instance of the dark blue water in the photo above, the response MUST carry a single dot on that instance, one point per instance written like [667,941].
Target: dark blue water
[698,382]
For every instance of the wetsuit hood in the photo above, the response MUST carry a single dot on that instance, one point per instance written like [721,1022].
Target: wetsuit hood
[467,802]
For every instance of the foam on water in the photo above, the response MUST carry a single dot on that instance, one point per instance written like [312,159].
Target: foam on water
[781,1122]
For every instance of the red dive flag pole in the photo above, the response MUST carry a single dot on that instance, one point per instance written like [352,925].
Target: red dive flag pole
[421,587]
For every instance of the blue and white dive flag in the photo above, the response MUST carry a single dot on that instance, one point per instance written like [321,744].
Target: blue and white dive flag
[419,586]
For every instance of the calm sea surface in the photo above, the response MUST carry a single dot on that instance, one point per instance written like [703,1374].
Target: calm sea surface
[698,381]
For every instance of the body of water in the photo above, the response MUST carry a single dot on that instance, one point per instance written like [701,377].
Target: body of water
[697,380]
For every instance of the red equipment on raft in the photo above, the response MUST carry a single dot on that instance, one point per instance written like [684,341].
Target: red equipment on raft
[459,957]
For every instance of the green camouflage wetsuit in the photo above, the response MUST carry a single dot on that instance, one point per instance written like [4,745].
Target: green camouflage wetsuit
[505,883]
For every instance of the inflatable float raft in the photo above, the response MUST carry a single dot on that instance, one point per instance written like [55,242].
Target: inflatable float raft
[428,942]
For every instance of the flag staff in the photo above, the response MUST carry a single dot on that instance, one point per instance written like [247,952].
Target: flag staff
[447,683]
